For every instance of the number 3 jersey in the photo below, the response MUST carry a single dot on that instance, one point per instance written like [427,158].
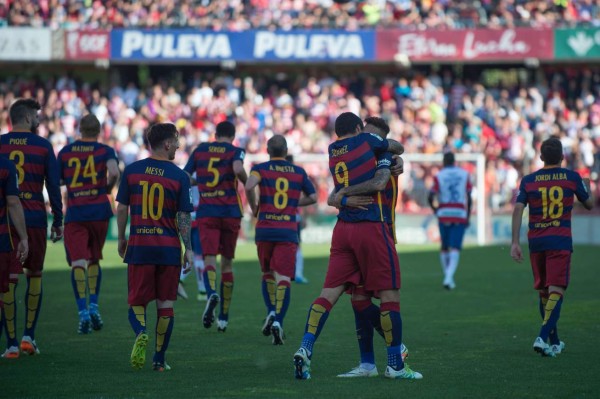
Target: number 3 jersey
[550,194]
[82,168]
[34,159]
[281,186]
[155,191]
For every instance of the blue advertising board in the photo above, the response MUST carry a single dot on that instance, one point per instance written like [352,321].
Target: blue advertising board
[254,46]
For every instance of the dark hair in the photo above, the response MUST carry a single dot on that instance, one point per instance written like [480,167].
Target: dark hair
[449,159]
[225,129]
[89,126]
[21,109]
[277,146]
[159,133]
[346,123]
[552,151]
[289,158]
[379,123]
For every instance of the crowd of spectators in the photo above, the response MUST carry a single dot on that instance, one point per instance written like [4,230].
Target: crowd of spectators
[428,113]
[239,15]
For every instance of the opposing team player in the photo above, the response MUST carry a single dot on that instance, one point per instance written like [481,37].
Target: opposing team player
[158,194]
[550,193]
[218,166]
[452,192]
[90,171]
[362,247]
[34,159]
[10,210]
[283,188]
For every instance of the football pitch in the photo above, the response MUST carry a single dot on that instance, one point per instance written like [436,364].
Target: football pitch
[474,342]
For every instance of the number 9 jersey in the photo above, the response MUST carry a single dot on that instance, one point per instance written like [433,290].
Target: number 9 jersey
[550,194]
[155,191]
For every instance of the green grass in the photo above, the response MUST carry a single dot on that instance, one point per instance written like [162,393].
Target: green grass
[474,342]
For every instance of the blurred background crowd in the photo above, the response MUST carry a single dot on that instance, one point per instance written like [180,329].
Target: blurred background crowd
[239,15]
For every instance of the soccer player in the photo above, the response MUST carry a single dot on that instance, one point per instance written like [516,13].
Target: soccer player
[158,194]
[218,166]
[281,185]
[452,192]
[90,171]
[10,209]
[35,162]
[550,193]
[362,247]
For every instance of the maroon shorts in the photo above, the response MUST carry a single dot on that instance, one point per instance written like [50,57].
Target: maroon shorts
[4,270]
[85,240]
[550,268]
[37,239]
[219,236]
[363,253]
[149,282]
[277,257]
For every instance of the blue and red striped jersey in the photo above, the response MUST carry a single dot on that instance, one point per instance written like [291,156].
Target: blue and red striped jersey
[34,159]
[217,183]
[550,194]
[82,168]
[155,191]
[281,186]
[8,186]
[353,160]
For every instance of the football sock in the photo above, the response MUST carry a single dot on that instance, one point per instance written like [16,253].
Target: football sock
[137,318]
[79,283]
[391,322]
[268,291]
[444,261]
[364,330]
[299,263]
[94,280]
[10,314]
[554,340]
[453,258]
[283,300]
[210,280]
[551,314]
[199,266]
[317,316]
[164,328]
[226,293]
[33,302]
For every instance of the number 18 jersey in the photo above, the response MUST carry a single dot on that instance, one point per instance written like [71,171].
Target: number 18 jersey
[155,190]
[550,194]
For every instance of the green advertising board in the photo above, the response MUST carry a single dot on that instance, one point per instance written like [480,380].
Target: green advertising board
[574,44]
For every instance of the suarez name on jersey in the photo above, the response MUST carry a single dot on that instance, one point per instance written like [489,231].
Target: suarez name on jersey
[8,186]
[453,186]
[155,191]
[34,159]
[354,160]
[217,183]
[281,186]
[82,167]
[550,194]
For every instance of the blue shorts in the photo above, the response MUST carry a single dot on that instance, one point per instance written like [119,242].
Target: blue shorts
[195,236]
[451,235]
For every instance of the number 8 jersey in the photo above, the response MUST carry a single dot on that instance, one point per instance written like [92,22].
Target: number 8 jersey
[82,168]
[550,194]
[155,191]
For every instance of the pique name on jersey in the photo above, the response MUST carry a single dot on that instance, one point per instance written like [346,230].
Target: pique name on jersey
[82,148]
[284,168]
[20,141]
[154,171]
[553,176]
[336,152]
[220,150]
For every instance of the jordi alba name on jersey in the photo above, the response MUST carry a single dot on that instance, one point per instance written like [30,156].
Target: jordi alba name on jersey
[453,187]
[281,186]
[217,183]
[34,159]
[8,186]
[155,191]
[354,160]
[82,167]
[550,194]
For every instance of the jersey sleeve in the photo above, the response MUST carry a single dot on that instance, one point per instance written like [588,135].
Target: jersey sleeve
[189,166]
[522,194]
[580,189]
[255,171]
[53,186]
[307,187]
[123,193]
[384,161]
[111,154]
[185,196]
[12,181]
[378,145]
[239,154]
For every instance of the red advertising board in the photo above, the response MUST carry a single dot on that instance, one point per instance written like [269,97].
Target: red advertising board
[87,45]
[465,45]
